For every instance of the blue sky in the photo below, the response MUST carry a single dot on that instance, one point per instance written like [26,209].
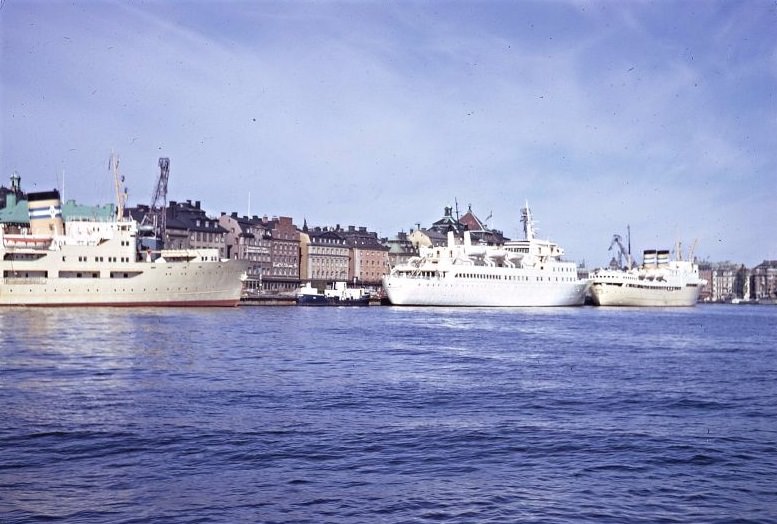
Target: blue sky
[661,115]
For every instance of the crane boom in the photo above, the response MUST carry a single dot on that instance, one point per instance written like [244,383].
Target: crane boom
[622,252]
[158,205]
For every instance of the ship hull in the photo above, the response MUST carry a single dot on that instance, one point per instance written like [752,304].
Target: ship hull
[608,294]
[402,291]
[154,284]
[321,300]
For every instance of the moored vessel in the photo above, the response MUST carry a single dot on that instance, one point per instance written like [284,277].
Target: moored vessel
[528,272]
[339,294]
[53,262]
[659,281]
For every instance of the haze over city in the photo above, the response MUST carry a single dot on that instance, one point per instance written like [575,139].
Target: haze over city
[661,115]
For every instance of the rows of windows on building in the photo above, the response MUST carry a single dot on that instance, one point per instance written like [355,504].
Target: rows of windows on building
[728,282]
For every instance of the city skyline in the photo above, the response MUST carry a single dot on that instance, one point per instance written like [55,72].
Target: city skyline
[601,114]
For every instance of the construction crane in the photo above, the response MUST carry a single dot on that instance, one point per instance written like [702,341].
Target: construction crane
[617,240]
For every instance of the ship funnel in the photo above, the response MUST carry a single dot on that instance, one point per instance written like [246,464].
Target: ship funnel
[45,210]
[451,239]
[467,239]
[663,258]
[649,258]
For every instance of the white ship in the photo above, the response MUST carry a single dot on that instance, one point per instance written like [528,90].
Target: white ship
[527,272]
[91,263]
[657,282]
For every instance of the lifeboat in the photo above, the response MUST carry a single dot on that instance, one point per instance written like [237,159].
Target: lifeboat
[26,241]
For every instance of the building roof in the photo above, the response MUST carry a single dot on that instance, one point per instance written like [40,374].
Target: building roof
[472,222]
[326,236]
[447,223]
[190,217]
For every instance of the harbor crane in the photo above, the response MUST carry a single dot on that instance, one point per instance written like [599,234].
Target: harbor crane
[156,217]
[623,252]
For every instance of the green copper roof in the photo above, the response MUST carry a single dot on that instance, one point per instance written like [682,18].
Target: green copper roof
[70,211]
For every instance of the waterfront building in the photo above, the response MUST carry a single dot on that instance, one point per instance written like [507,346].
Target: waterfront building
[763,281]
[400,249]
[283,275]
[437,234]
[449,223]
[248,239]
[271,245]
[726,281]
[426,238]
[327,256]
[479,231]
[368,258]
[705,273]
[189,227]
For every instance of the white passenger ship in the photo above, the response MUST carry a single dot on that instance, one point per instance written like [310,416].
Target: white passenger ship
[657,282]
[90,263]
[527,272]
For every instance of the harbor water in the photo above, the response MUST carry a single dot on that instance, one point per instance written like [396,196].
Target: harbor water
[386,414]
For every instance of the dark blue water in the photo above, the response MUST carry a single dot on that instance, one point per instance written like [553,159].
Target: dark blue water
[389,415]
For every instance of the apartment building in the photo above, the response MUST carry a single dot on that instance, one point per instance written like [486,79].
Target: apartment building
[248,239]
[327,256]
[189,227]
[400,249]
[725,282]
[368,260]
[284,271]
[763,281]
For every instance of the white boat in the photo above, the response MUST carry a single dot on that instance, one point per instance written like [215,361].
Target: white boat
[339,294]
[527,272]
[657,282]
[91,263]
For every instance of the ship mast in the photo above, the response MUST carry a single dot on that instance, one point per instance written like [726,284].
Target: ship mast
[528,223]
[118,180]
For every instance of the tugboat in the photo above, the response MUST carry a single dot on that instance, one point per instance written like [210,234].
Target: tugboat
[338,295]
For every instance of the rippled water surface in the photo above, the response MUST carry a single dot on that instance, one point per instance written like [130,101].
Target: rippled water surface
[346,415]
